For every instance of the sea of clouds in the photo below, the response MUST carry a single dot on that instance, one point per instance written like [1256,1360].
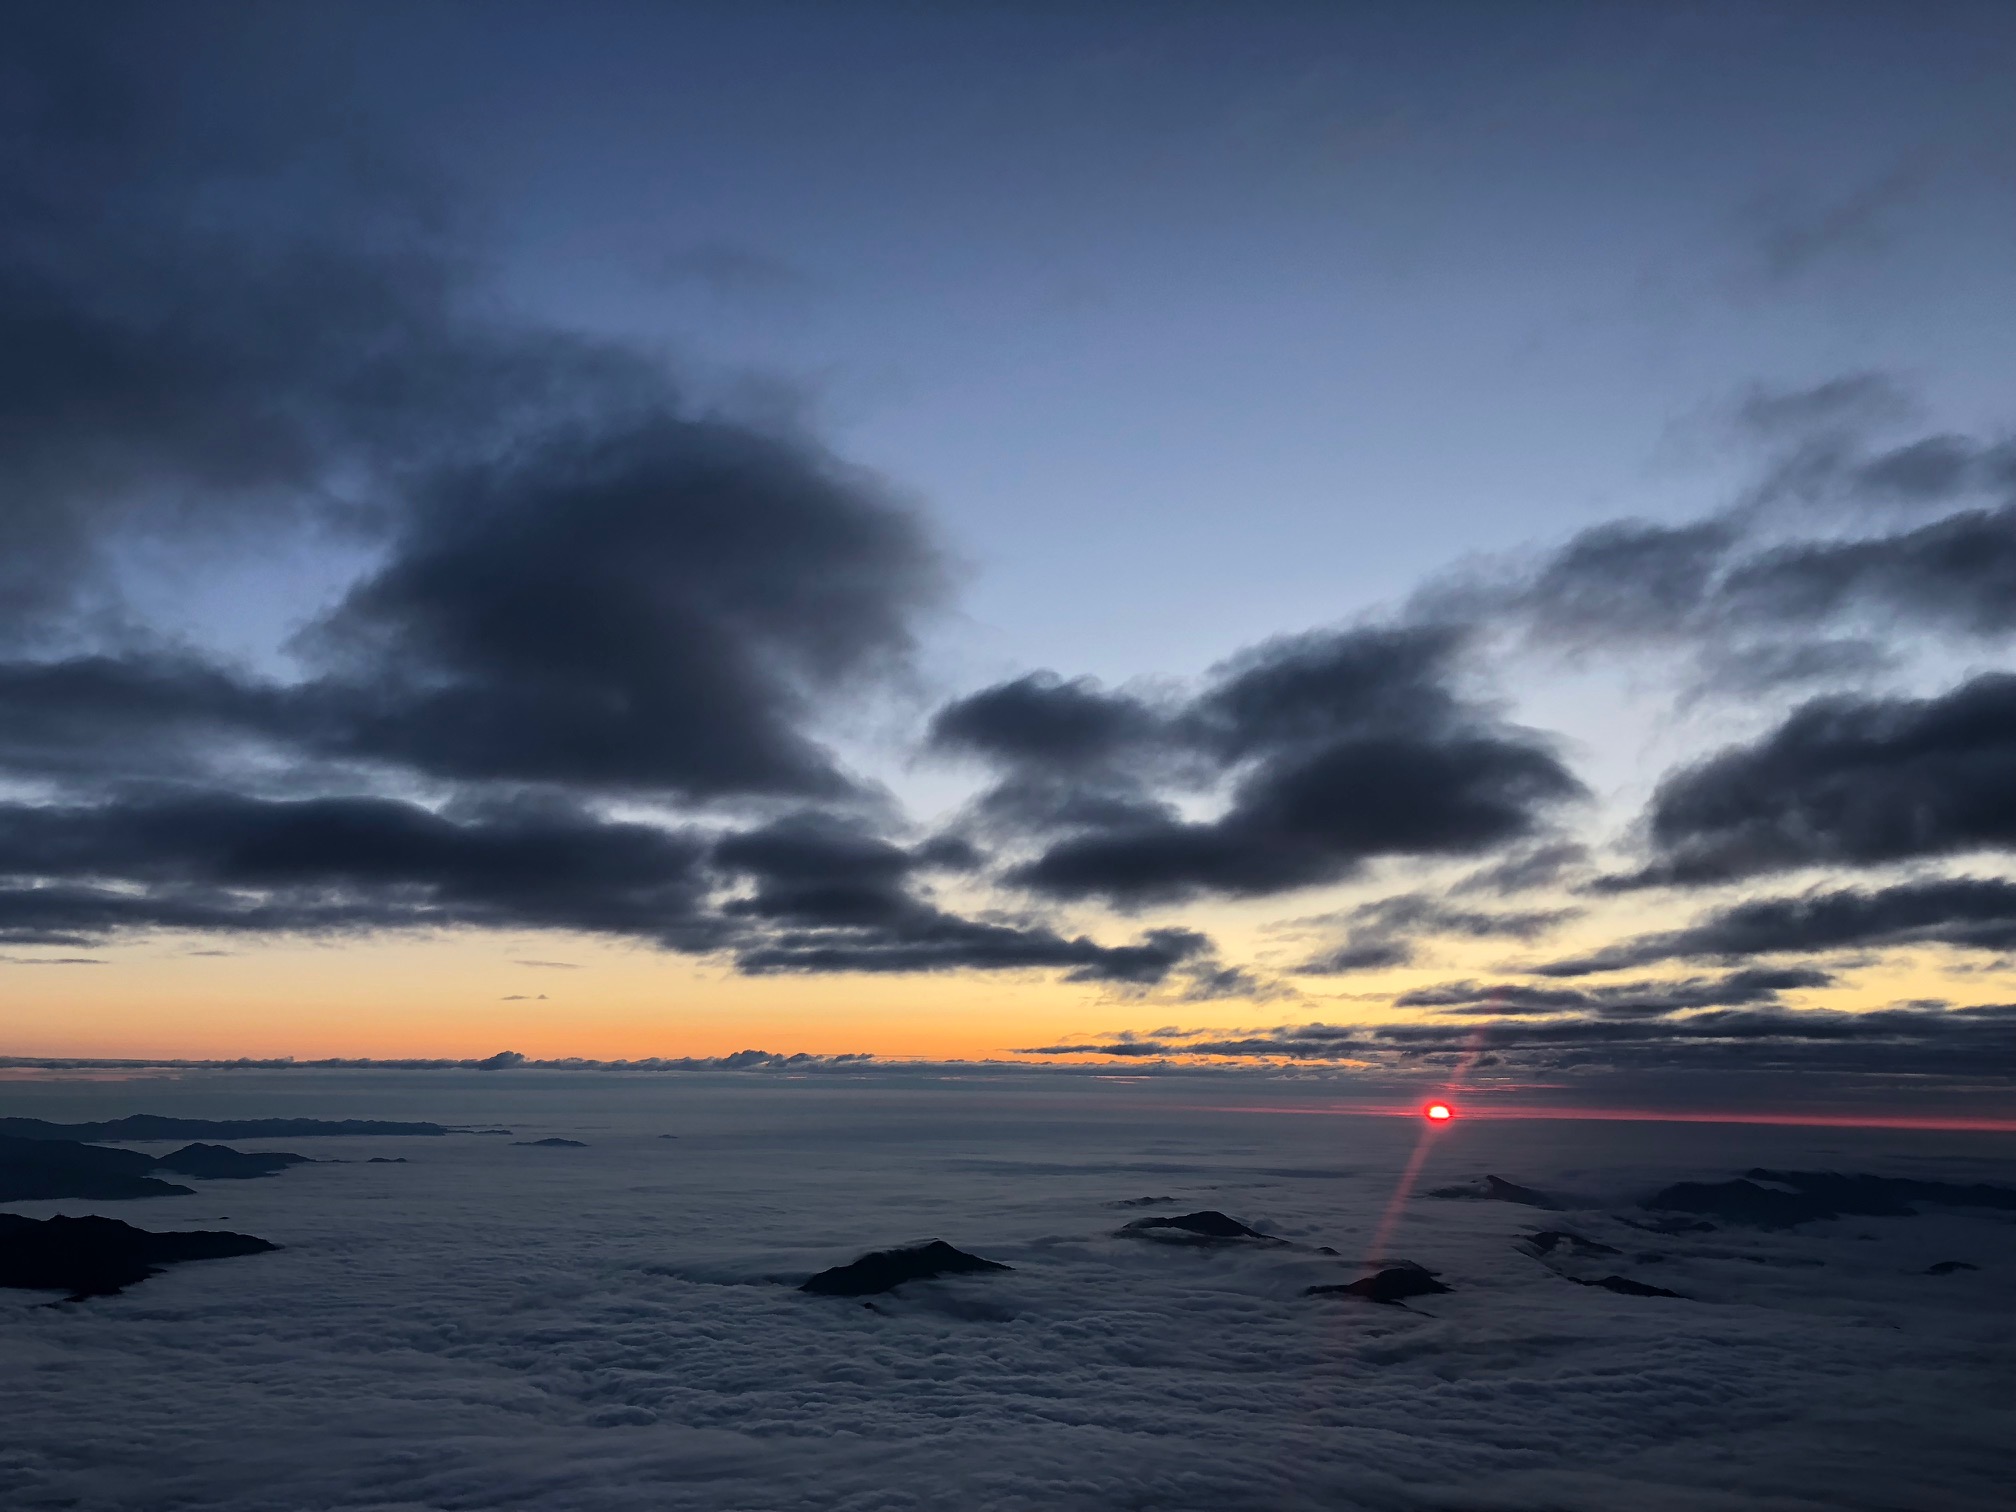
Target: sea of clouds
[616,1327]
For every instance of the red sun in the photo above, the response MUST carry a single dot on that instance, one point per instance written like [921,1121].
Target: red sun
[1438,1113]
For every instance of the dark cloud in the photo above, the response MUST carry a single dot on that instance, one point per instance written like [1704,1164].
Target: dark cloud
[1847,781]
[1043,721]
[1546,863]
[1951,574]
[1892,1045]
[1388,932]
[1375,952]
[89,719]
[832,897]
[827,896]
[1625,579]
[226,862]
[658,607]
[1303,690]
[810,869]
[1850,533]
[1754,985]
[1711,584]
[1973,913]
[1316,816]
[1335,748]
[649,608]
[928,940]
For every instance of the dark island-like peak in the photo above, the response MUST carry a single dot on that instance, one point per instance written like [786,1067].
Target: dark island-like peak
[95,1257]
[214,1162]
[53,1169]
[1741,1201]
[1496,1189]
[1206,1227]
[555,1143]
[1395,1284]
[141,1126]
[884,1270]
[1887,1196]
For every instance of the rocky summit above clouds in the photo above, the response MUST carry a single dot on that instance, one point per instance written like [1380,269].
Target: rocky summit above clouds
[1391,1286]
[555,1143]
[34,1170]
[96,1257]
[48,1169]
[1496,1189]
[884,1270]
[1779,1199]
[1207,1227]
[212,1162]
[1887,1196]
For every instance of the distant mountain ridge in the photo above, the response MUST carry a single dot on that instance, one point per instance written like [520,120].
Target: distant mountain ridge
[96,1257]
[40,1169]
[141,1126]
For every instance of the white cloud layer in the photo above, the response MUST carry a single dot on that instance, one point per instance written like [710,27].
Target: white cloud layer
[614,1328]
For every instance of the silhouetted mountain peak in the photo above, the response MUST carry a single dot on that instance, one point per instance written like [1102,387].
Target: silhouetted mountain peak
[145,1126]
[884,1270]
[51,1169]
[221,1162]
[1195,1227]
[95,1257]
[1496,1189]
[1741,1201]
[1394,1284]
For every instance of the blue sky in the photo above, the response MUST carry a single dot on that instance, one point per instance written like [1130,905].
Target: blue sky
[688,430]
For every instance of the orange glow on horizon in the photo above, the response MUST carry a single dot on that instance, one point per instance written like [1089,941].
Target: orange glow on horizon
[1438,1113]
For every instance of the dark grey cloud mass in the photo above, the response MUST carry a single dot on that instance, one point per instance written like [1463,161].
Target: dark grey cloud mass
[1643,999]
[224,862]
[1389,931]
[1853,781]
[835,898]
[1335,748]
[1852,535]
[1974,913]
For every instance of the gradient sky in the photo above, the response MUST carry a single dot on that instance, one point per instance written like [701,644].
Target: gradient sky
[637,487]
